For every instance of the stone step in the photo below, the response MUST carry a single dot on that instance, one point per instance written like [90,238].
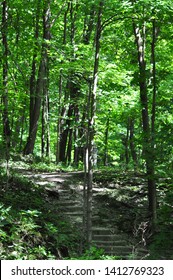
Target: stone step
[67,197]
[77,221]
[74,213]
[124,255]
[103,231]
[67,202]
[105,237]
[109,244]
[96,218]
[71,208]
[116,250]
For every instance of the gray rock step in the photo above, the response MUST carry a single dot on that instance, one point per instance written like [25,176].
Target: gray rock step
[110,242]
[74,213]
[71,208]
[67,202]
[112,237]
[77,221]
[103,231]
[117,250]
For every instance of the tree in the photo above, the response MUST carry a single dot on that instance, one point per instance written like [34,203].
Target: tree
[5,102]
[45,101]
[6,122]
[148,129]
[91,124]
[35,88]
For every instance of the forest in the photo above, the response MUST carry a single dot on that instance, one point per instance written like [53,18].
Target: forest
[86,131]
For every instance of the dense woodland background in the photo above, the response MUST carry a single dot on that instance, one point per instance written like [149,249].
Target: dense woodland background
[89,84]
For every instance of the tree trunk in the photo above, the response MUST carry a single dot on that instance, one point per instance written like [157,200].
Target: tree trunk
[69,146]
[29,148]
[35,91]
[5,113]
[91,130]
[105,161]
[59,121]
[76,137]
[132,145]
[147,139]
[45,103]
[6,121]
[64,136]
[39,88]
[64,147]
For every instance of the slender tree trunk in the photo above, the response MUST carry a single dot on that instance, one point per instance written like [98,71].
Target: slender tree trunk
[147,138]
[22,131]
[154,82]
[105,161]
[39,88]
[126,145]
[64,135]
[36,112]
[132,144]
[35,91]
[60,150]
[5,113]
[152,189]
[86,170]
[63,145]
[69,146]
[76,137]
[91,131]
[45,103]
[59,118]
[45,143]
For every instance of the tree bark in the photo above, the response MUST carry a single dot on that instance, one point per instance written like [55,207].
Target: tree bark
[5,113]
[59,121]
[105,160]
[35,90]
[91,130]
[39,87]
[29,148]
[6,121]
[45,103]
[147,137]
[132,144]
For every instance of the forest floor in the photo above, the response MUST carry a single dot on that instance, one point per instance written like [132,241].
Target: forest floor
[121,225]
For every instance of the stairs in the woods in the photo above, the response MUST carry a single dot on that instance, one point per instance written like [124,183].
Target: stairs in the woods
[69,202]
[112,242]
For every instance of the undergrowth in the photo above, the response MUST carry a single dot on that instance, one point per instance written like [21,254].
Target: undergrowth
[29,227]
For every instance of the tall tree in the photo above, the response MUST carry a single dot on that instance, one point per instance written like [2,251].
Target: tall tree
[91,123]
[5,102]
[39,86]
[140,37]
[45,101]
[35,89]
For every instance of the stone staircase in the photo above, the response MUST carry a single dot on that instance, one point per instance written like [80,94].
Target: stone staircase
[113,243]
[68,198]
